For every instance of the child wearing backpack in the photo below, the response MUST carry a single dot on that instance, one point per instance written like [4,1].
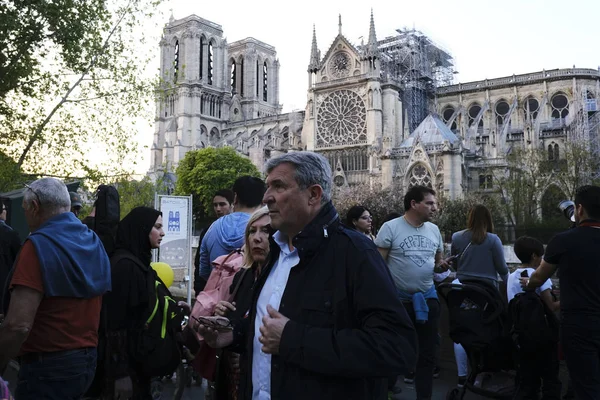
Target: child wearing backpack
[535,326]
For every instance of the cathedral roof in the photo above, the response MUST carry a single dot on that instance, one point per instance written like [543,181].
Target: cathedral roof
[431,131]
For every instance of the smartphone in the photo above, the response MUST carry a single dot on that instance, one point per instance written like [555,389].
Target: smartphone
[524,274]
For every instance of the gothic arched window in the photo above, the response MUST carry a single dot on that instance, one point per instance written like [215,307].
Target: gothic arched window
[560,106]
[201,56]
[265,78]
[176,61]
[419,176]
[233,76]
[210,64]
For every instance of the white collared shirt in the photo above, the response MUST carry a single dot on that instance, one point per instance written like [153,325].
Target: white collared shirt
[271,293]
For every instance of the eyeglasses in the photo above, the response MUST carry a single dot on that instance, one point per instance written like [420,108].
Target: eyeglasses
[34,192]
[366,217]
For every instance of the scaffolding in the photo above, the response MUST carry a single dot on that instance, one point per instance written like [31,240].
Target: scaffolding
[416,64]
[584,128]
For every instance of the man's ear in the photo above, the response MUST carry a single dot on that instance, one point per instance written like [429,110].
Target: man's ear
[579,210]
[235,199]
[316,193]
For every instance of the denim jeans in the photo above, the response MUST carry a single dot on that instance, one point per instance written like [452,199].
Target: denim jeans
[61,375]
[427,335]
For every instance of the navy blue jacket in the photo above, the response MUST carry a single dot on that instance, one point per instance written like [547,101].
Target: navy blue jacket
[348,331]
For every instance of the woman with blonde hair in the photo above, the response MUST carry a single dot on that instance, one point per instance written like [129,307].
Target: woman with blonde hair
[256,254]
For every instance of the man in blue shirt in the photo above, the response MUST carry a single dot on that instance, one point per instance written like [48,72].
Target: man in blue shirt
[227,233]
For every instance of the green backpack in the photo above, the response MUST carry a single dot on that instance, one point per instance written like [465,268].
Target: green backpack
[155,347]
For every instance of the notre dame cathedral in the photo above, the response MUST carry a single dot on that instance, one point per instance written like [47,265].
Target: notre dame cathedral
[385,111]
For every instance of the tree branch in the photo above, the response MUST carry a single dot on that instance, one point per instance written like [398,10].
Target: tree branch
[38,130]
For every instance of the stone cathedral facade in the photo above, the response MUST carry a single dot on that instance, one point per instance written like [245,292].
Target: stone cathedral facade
[378,120]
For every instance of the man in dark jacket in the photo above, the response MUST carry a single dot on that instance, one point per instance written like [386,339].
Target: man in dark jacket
[10,243]
[325,320]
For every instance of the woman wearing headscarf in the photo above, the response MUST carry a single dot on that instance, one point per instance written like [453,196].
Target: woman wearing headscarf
[256,253]
[127,304]
[359,218]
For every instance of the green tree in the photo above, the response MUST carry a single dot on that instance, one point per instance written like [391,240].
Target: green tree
[379,201]
[202,172]
[10,177]
[134,193]
[452,214]
[74,79]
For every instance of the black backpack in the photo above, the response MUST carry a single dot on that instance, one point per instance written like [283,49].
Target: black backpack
[107,217]
[534,325]
[155,347]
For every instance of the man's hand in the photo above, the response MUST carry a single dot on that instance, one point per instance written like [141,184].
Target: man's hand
[215,338]
[123,388]
[223,307]
[441,267]
[525,284]
[271,330]
[187,309]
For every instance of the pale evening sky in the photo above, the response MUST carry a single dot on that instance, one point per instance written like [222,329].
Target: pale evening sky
[487,39]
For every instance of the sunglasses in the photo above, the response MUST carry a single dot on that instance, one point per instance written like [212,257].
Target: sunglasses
[216,323]
[34,192]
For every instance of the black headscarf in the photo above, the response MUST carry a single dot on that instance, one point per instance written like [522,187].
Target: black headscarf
[134,230]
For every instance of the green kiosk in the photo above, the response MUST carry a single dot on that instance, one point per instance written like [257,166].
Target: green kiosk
[15,217]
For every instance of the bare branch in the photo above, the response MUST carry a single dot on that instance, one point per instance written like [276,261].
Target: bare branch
[38,130]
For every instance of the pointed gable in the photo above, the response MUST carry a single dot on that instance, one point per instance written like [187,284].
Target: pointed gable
[431,131]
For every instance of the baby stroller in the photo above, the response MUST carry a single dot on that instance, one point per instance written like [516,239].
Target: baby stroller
[478,322]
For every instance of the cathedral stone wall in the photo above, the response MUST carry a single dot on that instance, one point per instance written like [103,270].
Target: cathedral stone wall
[218,94]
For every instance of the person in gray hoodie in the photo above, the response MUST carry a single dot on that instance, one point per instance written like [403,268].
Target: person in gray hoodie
[227,233]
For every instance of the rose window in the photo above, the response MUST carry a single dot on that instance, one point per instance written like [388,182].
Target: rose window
[419,176]
[342,120]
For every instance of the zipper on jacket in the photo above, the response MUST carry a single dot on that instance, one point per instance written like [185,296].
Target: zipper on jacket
[325,234]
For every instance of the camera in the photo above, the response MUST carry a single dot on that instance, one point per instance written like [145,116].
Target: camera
[568,209]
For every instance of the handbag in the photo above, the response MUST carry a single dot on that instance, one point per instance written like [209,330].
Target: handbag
[217,289]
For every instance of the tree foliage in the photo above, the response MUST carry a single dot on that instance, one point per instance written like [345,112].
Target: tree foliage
[73,81]
[452,214]
[380,202]
[203,172]
[134,193]
[10,176]
[532,183]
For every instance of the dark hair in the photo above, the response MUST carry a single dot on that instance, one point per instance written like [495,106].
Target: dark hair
[416,193]
[589,197]
[526,246]
[353,213]
[391,216]
[479,222]
[249,190]
[228,194]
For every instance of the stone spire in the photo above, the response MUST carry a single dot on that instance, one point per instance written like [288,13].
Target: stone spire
[340,24]
[372,51]
[313,66]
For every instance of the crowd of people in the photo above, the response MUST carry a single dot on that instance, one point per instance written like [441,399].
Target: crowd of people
[293,301]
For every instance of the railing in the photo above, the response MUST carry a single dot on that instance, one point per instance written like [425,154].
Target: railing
[339,81]
[524,78]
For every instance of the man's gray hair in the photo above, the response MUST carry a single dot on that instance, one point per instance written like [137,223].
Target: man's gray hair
[51,193]
[311,169]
